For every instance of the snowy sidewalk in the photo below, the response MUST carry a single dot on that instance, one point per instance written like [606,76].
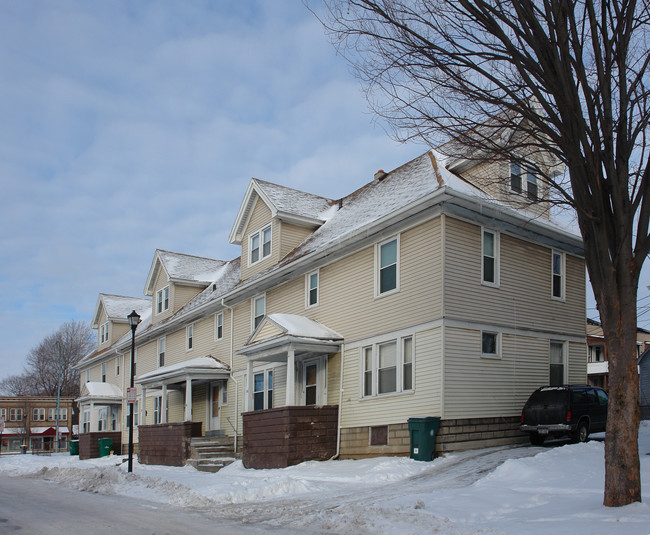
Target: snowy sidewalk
[525,490]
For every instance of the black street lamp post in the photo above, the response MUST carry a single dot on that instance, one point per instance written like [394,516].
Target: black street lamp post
[134,320]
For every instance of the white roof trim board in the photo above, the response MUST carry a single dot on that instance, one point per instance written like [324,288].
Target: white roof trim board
[118,307]
[93,391]
[201,367]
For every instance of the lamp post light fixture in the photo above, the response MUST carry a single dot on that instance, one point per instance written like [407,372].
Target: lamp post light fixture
[134,320]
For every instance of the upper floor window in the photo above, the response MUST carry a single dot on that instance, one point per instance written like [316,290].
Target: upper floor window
[3,414]
[387,267]
[117,366]
[162,300]
[162,342]
[103,333]
[190,336]
[311,283]
[103,372]
[88,375]
[259,309]
[523,180]
[260,245]
[15,415]
[558,275]
[63,414]
[490,255]
[218,326]
[38,415]
[387,367]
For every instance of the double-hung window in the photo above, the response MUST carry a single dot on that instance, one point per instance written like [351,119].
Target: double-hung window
[162,299]
[190,336]
[523,180]
[102,422]
[557,371]
[490,257]
[260,245]
[558,270]
[259,309]
[117,366]
[263,390]
[157,409]
[38,415]
[387,267]
[15,415]
[162,342]
[218,326]
[86,421]
[311,285]
[103,372]
[63,414]
[387,367]
[103,333]
[3,414]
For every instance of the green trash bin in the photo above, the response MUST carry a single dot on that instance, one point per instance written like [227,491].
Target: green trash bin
[105,446]
[74,447]
[422,430]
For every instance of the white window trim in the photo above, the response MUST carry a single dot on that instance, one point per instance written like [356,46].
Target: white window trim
[162,300]
[565,360]
[497,258]
[493,356]
[104,374]
[399,365]
[524,171]
[3,414]
[189,337]
[562,255]
[253,299]
[161,341]
[216,326]
[117,366]
[103,333]
[378,247]
[308,289]
[260,236]
[264,371]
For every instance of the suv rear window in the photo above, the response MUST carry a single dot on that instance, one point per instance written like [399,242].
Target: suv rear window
[548,397]
[584,396]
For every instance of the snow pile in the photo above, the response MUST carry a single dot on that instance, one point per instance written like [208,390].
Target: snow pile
[524,490]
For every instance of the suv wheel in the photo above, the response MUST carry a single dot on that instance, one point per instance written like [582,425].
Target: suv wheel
[536,440]
[581,433]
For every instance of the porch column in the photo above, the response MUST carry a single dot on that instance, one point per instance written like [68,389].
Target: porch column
[251,385]
[163,403]
[143,408]
[291,378]
[188,400]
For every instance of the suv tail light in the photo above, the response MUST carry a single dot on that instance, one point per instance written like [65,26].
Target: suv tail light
[568,416]
[522,417]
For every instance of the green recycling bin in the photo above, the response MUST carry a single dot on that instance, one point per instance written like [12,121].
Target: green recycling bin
[74,447]
[422,430]
[105,446]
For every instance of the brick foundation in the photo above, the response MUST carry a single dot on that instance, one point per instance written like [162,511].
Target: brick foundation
[89,443]
[277,438]
[166,444]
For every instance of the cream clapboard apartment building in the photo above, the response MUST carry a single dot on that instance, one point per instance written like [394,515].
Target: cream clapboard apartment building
[419,294]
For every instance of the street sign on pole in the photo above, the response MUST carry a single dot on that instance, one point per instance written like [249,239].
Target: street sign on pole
[131,394]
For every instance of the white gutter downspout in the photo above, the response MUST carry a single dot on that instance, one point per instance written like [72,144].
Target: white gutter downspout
[338,426]
[232,375]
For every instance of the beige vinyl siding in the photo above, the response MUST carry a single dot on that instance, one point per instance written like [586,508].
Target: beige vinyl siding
[347,303]
[267,331]
[160,282]
[524,295]
[117,330]
[260,218]
[290,237]
[476,387]
[425,399]
[200,405]
[183,295]
[176,404]
[333,378]
[577,355]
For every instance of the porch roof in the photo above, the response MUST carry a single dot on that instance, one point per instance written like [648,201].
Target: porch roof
[100,393]
[278,334]
[202,368]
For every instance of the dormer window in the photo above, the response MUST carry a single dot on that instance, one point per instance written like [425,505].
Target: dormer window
[523,180]
[103,333]
[260,245]
[162,300]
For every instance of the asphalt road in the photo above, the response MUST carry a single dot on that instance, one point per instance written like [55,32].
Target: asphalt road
[30,506]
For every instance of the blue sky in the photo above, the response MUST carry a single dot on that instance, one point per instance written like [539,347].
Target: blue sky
[134,125]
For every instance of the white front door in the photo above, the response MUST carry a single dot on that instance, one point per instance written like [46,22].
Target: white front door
[312,381]
[215,407]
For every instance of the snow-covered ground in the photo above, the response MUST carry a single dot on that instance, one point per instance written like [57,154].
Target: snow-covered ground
[522,490]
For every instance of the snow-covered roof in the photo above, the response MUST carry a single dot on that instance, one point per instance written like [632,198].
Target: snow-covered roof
[288,204]
[302,327]
[188,269]
[201,366]
[118,307]
[100,390]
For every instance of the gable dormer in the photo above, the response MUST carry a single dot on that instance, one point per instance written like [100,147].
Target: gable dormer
[272,221]
[175,279]
[110,316]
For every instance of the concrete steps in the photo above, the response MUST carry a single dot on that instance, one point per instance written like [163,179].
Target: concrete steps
[211,453]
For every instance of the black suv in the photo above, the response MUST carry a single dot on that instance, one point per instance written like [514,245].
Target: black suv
[569,410]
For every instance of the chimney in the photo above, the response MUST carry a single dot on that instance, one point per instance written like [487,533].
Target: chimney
[380,175]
